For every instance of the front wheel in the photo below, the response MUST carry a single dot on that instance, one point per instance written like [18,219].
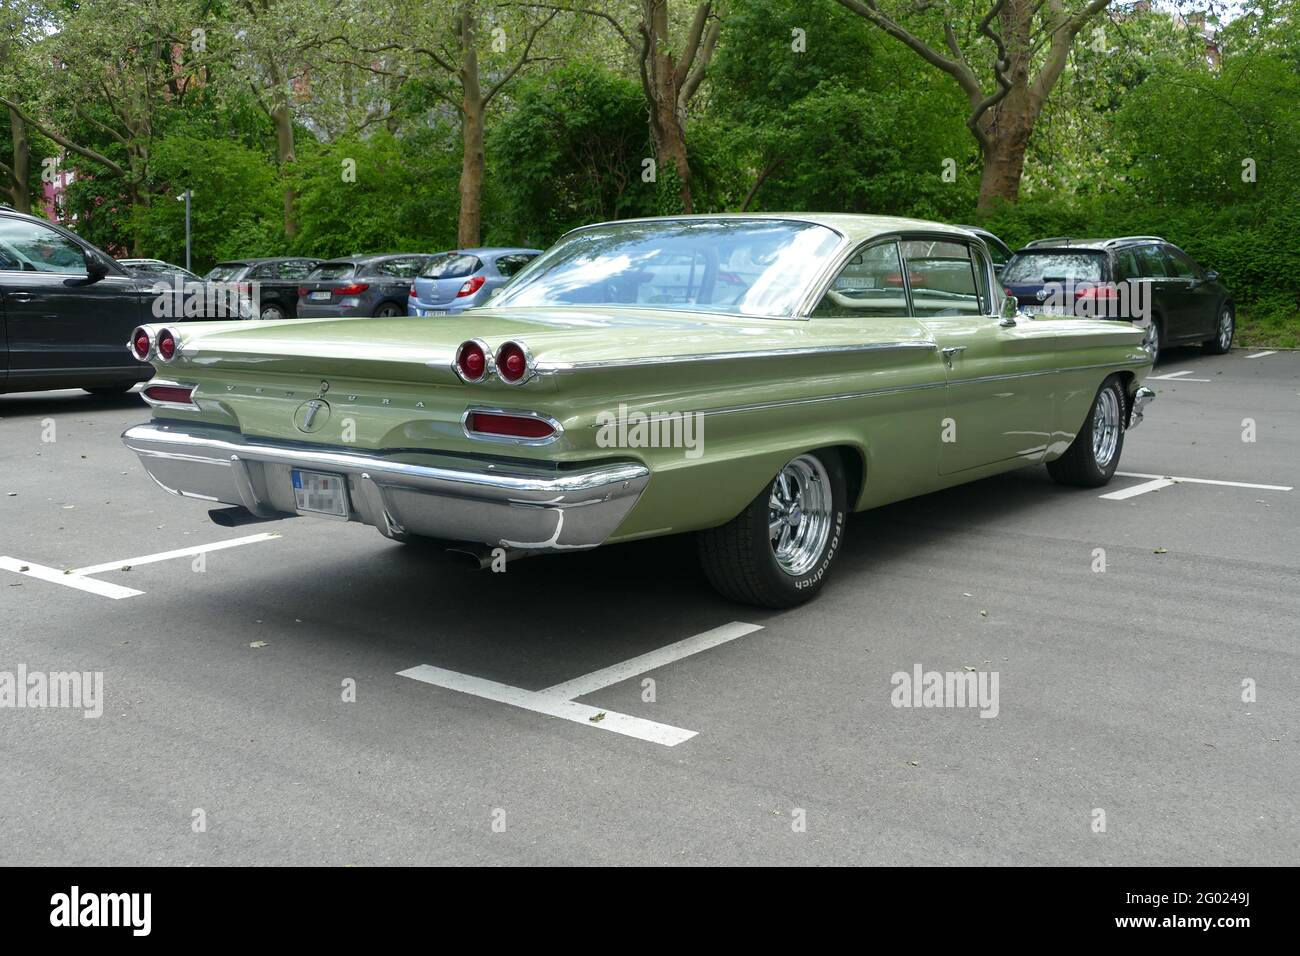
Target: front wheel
[271,313]
[778,551]
[1093,456]
[387,311]
[1221,344]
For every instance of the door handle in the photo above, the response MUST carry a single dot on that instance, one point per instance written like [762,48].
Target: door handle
[20,296]
[950,351]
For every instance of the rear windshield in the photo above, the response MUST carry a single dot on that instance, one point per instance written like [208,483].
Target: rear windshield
[1055,267]
[333,270]
[451,265]
[224,273]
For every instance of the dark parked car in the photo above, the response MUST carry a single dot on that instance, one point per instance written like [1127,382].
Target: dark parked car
[68,309]
[455,281]
[277,281]
[999,251]
[1131,278]
[360,286]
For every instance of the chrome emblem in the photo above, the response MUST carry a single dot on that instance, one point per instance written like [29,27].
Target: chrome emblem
[1040,295]
[312,416]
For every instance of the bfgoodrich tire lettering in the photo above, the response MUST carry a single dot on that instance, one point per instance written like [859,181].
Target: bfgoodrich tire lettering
[750,559]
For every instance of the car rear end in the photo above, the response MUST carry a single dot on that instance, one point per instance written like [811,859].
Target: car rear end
[334,290]
[451,283]
[1065,280]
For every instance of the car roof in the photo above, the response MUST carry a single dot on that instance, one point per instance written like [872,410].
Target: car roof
[1058,243]
[853,226]
[257,261]
[371,257]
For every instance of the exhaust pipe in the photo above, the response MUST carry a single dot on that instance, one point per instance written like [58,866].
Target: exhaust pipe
[238,515]
[481,556]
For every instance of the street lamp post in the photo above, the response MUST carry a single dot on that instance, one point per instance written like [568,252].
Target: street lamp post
[186,197]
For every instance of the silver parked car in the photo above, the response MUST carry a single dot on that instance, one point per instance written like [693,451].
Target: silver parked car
[455,281]
[360,286]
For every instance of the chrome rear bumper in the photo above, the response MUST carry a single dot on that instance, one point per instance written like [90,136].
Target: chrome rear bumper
[1141,399]
[455,499]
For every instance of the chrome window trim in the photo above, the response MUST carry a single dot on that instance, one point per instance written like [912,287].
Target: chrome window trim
[510,439]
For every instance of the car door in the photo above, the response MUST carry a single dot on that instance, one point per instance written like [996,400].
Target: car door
[1196,301]
[61,323]
[1162,291]
[999,390]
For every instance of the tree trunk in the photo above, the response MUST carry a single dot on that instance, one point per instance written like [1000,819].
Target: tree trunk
[473,161]
[1004,132]
[21,192]
[1004,164]
[282,117]
[670,144]
[667,126]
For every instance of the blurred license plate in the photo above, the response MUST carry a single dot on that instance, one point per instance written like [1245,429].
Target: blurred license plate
[320,493]
[433,311]
[320,296]
[1046,310]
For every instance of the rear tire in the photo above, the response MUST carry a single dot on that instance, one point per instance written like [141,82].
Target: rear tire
[775,553]
[387,311]
[1226,328]
[271,313]
[1093,456]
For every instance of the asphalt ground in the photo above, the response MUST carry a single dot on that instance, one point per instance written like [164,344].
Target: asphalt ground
[226,738]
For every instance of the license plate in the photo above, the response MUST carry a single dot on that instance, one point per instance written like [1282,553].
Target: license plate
[433,312]
[320,493]
[319,296]
[1046,310]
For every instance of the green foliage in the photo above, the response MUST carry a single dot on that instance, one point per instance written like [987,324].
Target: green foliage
[569,152]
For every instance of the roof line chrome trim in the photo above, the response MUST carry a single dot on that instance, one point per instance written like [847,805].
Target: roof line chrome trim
[555,368]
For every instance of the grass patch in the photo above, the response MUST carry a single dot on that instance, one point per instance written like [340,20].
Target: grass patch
[1268,324]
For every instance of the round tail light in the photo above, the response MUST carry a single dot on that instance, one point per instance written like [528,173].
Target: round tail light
[471,362]
[141,344]
[513,363]
[166,345]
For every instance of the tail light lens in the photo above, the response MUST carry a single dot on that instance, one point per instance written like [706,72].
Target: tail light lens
[413,294]
[355,288]
[166,345]
[513,364]
[141,344]
[302,291]
[503,425]
[471,361]
[169,394]
[472,285]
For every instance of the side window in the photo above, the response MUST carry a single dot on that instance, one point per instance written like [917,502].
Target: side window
[294,269]
[1181,264]
[263,272]
[1151,262]
[509,265]
[870,284]
[1126,266]
[944,277]
[400,268]
[30,247]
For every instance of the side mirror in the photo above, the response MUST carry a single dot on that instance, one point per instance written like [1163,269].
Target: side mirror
[96,268]
[1010,309]
[1211,276]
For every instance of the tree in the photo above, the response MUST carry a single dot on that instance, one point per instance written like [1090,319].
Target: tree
[671,73]
[1006,64]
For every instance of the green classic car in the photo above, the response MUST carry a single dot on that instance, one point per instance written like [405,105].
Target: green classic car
[749,378]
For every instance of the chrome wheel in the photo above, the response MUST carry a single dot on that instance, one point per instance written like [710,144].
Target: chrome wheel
[1106,426]
[1225,330]
[799,515]
[1153,340]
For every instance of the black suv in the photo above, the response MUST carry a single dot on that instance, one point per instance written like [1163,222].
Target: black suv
[66,311]
[1130,278]
[277,281]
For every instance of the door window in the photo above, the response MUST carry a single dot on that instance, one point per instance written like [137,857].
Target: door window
[1181,264]
[31,247]
[943,277]
[295,269]
[871,283]
[1151,262]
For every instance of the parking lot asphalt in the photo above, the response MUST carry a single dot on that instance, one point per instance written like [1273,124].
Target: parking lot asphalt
[226,737]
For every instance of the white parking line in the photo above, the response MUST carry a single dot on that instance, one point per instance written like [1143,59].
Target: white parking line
[1132,492]
[557,701]
[1261,354]
[179,553]
[79,579]
[1176,377]
[55,576]
[1207,481]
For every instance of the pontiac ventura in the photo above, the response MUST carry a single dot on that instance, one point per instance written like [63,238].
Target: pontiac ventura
[812,366]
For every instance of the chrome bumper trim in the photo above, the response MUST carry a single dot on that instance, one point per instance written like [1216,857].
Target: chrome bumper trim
[1141,399]
[453,498]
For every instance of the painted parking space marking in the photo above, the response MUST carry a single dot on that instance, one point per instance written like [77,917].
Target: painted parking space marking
[178,553]
[80,579]
[1176,377]
[1261,354]
[1156,482]
[558,700]
[55,576]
